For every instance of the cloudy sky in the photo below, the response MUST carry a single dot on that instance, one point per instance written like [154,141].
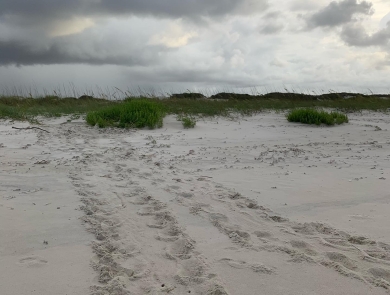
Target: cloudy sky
[196,44]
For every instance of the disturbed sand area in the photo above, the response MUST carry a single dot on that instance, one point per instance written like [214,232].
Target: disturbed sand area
[254,205]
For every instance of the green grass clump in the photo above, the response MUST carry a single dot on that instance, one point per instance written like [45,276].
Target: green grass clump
[188,122]
[136,113]
[312,116]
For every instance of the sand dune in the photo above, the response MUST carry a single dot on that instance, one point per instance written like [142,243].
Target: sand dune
[247,206]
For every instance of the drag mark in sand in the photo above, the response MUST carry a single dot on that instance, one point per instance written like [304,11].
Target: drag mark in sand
[135,201]
[125,219]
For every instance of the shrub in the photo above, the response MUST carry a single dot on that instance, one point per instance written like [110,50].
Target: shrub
[312,116]
[137,113]
[188,122]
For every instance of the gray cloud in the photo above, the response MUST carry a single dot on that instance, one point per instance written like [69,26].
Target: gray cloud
[105,43]
[191,76]
[40,10]
[161,43]
[271,28]
[338,13]
[270,23]
[19,53]
[356,35]
[304,5]
[272,15]
[33,22]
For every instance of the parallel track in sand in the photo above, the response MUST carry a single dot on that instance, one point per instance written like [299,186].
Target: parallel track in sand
[164,225]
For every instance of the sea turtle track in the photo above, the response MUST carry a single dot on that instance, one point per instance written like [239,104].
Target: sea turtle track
[124,211]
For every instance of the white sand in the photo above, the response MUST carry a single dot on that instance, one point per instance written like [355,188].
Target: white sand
[251,206]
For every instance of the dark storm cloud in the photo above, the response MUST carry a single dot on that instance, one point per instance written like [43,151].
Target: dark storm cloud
[338,13]
[180,8]
[19,53]
[356,35]
[40,7]
[33,20]
[39,10]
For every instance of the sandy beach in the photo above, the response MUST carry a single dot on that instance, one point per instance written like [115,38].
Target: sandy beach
[251,205]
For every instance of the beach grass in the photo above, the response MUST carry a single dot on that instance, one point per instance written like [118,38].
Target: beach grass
[227,107]
[188,122]
[313,116]
[28,108]
[133,113]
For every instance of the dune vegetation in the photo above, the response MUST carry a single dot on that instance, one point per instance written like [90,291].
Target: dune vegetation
[148,111]
[135,113]
[312,116]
